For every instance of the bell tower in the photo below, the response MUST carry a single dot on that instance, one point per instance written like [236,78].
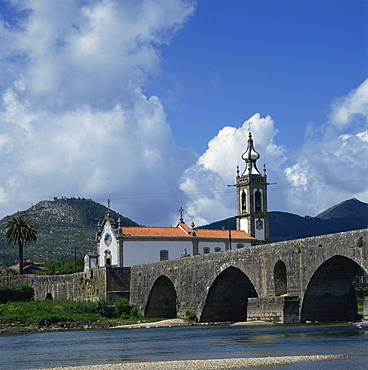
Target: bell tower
[251,186]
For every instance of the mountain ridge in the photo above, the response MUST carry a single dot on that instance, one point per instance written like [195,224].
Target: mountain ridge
[348,215]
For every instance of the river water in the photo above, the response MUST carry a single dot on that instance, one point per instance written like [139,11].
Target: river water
[76,348]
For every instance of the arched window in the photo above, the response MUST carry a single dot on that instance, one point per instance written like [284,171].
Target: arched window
[164,255]
[217,249]
[258,201]
[243,202]
[239,245]
[206,250]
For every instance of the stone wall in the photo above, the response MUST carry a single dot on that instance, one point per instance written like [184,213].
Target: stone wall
[365,310]
[117,283]
[90,285]
[282,310]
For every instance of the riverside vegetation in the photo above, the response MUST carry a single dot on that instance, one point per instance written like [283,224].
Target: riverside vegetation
[20,313]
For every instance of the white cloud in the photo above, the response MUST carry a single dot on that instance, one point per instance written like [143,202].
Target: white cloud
[330,167]
[352,109]
[205,183]
[73,118]
[334,166]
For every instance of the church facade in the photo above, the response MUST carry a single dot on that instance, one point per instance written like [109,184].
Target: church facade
[125,246]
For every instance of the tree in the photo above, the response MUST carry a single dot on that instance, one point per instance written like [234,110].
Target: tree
[21,230]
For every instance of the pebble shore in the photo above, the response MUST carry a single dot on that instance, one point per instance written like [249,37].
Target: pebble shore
[218,364]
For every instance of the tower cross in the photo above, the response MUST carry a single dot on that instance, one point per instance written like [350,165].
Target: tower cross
[181,210]
[108,204]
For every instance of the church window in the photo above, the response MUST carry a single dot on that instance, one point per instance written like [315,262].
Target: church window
[239,245]
[243,202]
[217,249]
[164,255]
[258,201]
[206,250]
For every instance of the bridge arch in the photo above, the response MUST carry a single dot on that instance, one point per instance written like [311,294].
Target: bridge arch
[162,299]
[280,278]
[330,295]
[227,297]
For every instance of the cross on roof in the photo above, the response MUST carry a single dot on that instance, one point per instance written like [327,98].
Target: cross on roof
[181,210]
[108,204]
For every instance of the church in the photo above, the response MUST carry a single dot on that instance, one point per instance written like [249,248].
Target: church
[125,246]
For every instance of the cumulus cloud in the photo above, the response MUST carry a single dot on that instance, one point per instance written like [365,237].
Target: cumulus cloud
[330,167]
[351,110]
[205,183]
[74,119]
[334,165]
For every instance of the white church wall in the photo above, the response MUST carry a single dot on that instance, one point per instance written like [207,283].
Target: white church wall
[138,252]
[112,247]
[239,245]
[211,246]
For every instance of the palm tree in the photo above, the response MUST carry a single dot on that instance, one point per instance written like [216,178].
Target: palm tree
[21,230]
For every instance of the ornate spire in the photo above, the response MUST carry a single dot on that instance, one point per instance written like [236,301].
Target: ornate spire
[250,156]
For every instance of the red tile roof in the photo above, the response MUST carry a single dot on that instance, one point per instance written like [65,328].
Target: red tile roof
[155,231]
[183,230]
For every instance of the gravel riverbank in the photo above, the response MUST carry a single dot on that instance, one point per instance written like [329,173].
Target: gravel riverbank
[218,364]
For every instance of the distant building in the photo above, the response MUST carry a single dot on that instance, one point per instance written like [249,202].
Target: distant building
[29,267]
[126,246]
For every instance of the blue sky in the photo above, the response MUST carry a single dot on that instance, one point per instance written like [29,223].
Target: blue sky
[148,103]
[287,59]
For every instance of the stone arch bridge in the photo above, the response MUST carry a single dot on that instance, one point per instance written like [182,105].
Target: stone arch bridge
[293,281]
[300,280]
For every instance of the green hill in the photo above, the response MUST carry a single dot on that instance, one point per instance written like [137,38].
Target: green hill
[63,225]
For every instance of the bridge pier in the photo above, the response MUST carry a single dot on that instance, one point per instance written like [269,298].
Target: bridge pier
[365,310]
[281,310]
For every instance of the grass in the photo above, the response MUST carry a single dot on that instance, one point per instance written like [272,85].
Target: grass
[66,313]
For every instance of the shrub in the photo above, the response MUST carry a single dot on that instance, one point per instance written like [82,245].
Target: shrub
[124,310]
[360,304]
[80,307]
[191,315]
[16,294]
[103,309]
[122,307]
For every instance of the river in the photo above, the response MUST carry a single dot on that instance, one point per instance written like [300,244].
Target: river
[76,348]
